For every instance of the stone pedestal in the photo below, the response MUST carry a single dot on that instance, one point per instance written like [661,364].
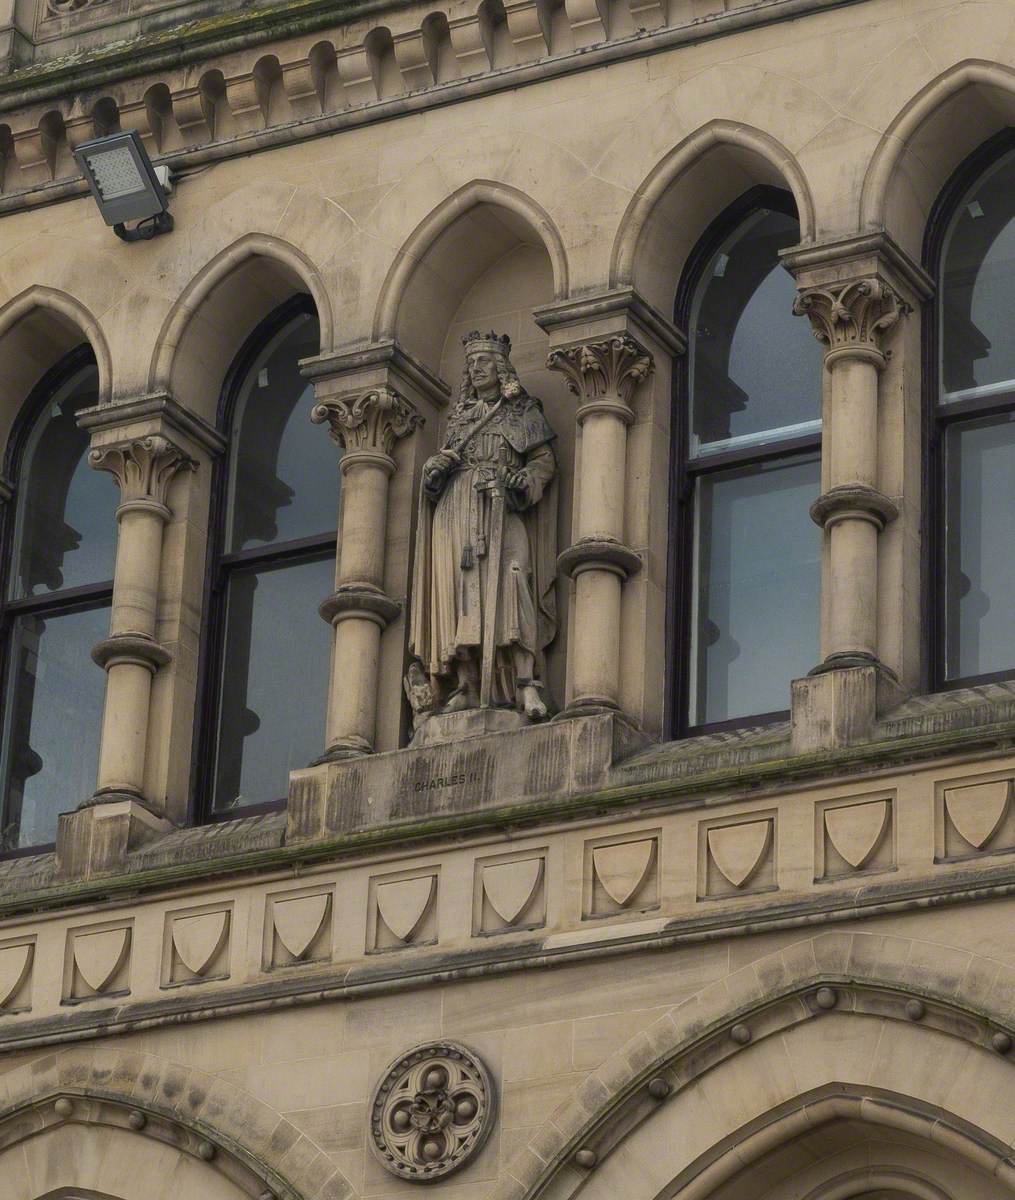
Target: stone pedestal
[453,726]
[474,774]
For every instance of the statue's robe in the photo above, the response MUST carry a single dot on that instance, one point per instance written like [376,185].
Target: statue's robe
[453,543]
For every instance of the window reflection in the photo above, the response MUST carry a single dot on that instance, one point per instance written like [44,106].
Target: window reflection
[272,660]
[65,537]
[977,410]
[56,609]
[759,573]
[750,474]
[753,368]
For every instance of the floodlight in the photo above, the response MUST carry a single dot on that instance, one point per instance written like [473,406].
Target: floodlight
[125,185]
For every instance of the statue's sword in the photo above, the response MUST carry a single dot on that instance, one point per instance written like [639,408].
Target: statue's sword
[493,572]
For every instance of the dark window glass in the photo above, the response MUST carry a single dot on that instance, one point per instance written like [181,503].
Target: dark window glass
[753,363]
[750,560]
[54,702]
[65,537]
[56,609]
[272,660]
[274,679]
[758,579]
[283,482]
[977,436]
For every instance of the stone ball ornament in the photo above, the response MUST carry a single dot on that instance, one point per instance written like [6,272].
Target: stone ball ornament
[431,1112]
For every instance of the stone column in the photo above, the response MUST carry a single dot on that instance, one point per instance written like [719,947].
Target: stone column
[143,467]
[852,321]
[856,294]
[603,375]
[366,425]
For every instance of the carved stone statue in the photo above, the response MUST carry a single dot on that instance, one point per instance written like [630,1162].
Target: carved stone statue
[483,599]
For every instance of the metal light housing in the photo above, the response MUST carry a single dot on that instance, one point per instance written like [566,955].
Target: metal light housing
[125,185]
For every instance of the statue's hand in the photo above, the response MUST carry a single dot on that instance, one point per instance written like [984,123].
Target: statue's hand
[435,472]
[516,484]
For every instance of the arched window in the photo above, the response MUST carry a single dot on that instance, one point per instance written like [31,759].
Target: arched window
[745,562]
[973,560]
[273,562]
[58,550]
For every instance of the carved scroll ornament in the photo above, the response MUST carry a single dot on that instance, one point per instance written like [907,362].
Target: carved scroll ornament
[372,420]
[610,369]
[144,467]
[431,1112]
[855,316]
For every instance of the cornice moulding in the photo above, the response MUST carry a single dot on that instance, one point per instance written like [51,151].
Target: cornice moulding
[841,252]
[379,355]
[158,405]
[151,60]
[562,314]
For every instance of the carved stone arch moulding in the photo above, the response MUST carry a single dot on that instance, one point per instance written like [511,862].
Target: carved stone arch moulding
[677,162]
[847,976]
[431,1112]
[216,272]
[70,1108]
[441,218]
[67,309]
[205,1117]
[878,185]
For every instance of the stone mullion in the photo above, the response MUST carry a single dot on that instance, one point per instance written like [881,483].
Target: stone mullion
[143,468]
[603,375]
[852,320]
[366,425]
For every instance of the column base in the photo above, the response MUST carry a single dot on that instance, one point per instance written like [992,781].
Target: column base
[588,706]
[343,749]
[838,703]
[97,838]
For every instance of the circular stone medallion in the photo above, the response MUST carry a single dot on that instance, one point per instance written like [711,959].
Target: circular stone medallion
[431,1112]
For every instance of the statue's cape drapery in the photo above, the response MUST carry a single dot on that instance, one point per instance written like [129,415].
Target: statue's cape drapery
[525,427]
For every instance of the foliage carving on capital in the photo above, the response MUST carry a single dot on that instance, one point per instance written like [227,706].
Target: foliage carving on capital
[857,315]
[611,368]
[371,420]
[143,467]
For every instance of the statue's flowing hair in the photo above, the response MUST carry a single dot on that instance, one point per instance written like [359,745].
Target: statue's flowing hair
[507,377]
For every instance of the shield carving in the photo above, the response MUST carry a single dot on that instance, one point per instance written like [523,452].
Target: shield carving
[404,903]
[978,809]
[298,921]
[623,868]
[511,886]
[856,830]
[199,939]
[99,956]
[15,962]
[738,850]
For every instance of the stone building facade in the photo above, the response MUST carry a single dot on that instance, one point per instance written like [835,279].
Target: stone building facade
[734,919]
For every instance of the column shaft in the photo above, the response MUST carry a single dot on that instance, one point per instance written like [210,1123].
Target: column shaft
[603,471]
[603,375]
[130,655]
[366,425]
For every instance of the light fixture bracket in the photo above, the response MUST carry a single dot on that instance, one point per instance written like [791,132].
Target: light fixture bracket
[125,185]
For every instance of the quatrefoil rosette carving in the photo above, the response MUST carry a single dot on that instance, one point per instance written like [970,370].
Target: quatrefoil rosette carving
[61,7]
[431,1112]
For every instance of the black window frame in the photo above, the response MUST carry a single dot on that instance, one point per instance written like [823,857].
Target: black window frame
[937,420]
[221,565]
[61,602]
[684,473]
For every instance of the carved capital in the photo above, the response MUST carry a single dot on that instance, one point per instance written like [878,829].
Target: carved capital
[854,317]
[371,420]
[603,372]
[143,467]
